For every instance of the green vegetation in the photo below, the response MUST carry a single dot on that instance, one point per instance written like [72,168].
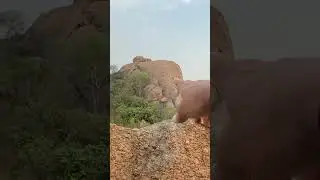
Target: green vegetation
[128,105]
[54,112]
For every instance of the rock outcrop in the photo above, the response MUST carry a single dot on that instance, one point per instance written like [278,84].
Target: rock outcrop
[162,75]
[166,150]
[77,22]
[220,36]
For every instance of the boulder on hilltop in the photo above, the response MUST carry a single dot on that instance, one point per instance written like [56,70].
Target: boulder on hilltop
[162,74]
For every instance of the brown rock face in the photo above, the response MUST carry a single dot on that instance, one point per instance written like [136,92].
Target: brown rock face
[165,150]
[220,40]
[194,101]
[162,74]
[78,21]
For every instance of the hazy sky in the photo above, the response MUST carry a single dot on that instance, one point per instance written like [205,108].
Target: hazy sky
[177,30]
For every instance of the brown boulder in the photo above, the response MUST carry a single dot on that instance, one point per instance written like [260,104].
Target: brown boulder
[165,150]
[162,74]
[194,101]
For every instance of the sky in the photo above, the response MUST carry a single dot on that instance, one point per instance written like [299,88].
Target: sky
[177,30]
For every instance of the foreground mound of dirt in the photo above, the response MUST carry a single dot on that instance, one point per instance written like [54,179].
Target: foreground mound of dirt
[165,150]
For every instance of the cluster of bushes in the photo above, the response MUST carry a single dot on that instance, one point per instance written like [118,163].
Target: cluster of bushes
[128,105]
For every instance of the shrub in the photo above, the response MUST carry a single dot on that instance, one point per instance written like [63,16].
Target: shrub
[61,144]
[128,105]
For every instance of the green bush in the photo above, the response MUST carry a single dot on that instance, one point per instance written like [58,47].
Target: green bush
[128,105]
[61,144]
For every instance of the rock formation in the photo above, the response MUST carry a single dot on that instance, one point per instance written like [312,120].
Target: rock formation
[162,73]
[166,150]
[77,22]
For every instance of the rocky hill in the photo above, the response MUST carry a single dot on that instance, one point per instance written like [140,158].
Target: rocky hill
[164,150]
[162,74]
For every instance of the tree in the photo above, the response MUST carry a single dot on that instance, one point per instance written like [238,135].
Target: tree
[13,22]
[59,144]
[82,66]
[50,134]
[138,81]
[128,104]
[113,69]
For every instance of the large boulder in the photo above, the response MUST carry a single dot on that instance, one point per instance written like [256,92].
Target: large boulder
[162,74]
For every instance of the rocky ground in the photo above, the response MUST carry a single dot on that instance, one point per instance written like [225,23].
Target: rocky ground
[166,150]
